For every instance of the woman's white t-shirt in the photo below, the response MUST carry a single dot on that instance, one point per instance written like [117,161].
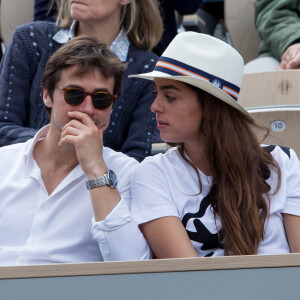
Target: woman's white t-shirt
[165,185]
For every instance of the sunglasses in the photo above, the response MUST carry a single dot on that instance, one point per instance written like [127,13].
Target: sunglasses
[75,96]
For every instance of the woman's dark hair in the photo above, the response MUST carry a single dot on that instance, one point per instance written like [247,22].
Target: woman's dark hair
[240,168]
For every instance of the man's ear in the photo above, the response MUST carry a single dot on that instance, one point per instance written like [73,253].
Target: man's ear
[47,99]
[125,2]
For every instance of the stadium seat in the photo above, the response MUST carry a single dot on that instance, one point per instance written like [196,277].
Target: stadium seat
[283,123]
[276,88]
[239,20]
[13,14]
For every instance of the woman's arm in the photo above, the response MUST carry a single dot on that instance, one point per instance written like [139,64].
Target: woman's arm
[292,230]
[15,68]
[291,215]
[154,208]
[168,238]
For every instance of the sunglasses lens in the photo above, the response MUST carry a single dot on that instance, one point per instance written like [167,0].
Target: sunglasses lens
[74,96]
[102,100]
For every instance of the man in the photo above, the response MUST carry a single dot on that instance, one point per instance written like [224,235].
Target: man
[46,207]
[278,24]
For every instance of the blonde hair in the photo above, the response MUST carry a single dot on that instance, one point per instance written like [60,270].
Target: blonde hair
[140,18]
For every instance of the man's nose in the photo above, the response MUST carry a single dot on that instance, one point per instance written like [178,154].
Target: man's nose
[87,105]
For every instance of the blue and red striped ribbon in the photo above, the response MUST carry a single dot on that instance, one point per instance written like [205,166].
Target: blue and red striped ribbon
[177,68]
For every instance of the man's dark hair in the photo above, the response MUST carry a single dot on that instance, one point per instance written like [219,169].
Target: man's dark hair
[87,54]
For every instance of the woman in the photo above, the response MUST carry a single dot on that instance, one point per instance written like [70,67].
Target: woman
[130,27]
[218,192]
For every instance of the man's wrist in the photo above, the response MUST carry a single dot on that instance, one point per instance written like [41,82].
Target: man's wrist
[96,172]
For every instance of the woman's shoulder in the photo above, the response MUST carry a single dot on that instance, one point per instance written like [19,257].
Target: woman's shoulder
[161,161]
[281,154]
[34,34]
[33,38]
[41,27]
[139,55]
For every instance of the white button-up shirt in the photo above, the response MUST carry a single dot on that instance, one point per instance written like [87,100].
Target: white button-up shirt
[37,228]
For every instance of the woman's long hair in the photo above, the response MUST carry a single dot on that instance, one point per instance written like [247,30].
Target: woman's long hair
[140,18]
[240,167]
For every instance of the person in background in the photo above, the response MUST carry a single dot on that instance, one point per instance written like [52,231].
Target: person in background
[131,28]
[44,10]
[168,8]
[278,24]
[218,192]
[50,184]
[211,12]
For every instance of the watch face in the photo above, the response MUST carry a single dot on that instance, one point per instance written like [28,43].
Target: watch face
[112,178]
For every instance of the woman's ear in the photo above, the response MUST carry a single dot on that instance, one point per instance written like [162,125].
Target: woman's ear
[47,99]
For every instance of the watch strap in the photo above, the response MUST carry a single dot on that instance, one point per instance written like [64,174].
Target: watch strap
[97,182]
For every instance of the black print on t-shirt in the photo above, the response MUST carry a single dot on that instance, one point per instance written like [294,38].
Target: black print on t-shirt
[286,150]
[202,234]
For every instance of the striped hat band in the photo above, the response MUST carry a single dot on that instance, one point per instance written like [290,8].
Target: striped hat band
[176,68]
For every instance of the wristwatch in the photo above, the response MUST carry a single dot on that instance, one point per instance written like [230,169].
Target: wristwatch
[109,178]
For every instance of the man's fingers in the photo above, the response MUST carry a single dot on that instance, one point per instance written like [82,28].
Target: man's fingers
[282,66]
[294,63]
[68,139]
[84,118]
[291,56]
[69,130]
[75,124]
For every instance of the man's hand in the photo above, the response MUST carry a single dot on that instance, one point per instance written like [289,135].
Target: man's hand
[291,58]
[87,139]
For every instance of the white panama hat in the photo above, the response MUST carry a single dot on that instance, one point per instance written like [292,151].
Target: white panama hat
[204,62]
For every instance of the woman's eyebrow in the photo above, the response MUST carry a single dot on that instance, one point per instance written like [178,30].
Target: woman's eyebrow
[168,87]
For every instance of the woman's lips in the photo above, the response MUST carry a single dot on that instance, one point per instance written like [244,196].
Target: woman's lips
[161,125]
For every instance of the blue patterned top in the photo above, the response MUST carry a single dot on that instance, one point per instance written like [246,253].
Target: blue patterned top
[132,128]
[119,46]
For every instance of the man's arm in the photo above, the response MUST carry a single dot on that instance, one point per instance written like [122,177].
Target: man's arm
[116,232]
[278,24]
[87,139]
[291,57]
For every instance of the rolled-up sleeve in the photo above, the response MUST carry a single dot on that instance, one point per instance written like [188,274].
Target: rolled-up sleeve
[119,236]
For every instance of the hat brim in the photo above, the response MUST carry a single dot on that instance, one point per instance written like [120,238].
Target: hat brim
[201,84]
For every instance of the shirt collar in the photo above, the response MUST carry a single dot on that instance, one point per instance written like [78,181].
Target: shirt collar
[119,46]
[63,35]
[41,134]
